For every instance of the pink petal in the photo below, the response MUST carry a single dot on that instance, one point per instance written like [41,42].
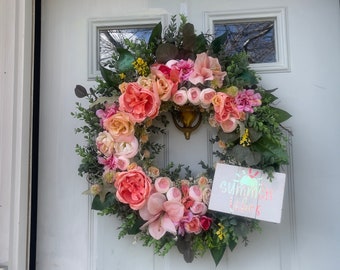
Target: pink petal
[155,203]
[156,230]
[174,209]
[167,224]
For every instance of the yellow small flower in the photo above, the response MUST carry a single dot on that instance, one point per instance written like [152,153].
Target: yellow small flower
[245,140]
[140,66]
[122,76]
[220,232]
[95,189]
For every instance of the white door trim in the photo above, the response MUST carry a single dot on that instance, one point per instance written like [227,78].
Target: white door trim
[16,83]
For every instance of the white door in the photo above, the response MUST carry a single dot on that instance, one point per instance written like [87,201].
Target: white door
[71,236]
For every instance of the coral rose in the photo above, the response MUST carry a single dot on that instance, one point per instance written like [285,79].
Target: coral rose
[139,102]
[224,107]
[133,187]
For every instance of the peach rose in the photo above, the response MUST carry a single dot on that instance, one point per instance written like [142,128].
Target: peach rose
[153,171]
[105,143]
[120,126]
[133,187]
[180,97]
[145,82]
[139,102]
[163,87]
[224,107]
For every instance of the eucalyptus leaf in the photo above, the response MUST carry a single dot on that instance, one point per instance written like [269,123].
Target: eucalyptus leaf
[254,135]
[80,91]
[102,100]
[227,137]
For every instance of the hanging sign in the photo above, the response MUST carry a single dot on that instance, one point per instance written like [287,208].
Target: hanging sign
[247,192]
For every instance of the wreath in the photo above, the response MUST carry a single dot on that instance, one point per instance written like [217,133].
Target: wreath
[196,80]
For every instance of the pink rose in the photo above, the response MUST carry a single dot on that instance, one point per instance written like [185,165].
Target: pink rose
[122,163]
[180,97]
[195,193]
[206,97]
[162,184]
[139,102]
[194,95]
[126,149]
[174,194]
[133,187]
[193,226]
[198,208]
[229,125]
[105,143]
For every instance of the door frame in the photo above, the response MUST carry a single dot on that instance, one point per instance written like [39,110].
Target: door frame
[18,80]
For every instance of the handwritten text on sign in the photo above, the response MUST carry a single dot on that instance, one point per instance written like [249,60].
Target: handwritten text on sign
[247,192]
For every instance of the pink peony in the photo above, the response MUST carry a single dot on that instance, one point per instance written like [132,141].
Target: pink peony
[247,99]
[133,187]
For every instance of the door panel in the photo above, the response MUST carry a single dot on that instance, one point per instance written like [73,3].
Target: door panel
[71,236]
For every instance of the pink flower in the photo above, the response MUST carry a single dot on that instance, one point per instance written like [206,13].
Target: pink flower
[126,149]
[205,222]
[180,97]
[185,68]
[206,97]
[247,99]
[163,87]
[193,225]
[110,163]
[122,163]
[199,208]
[207,68]
[224,107]
[174,194]
[194,95]
[162,184]
[202,71]
[229,125]
[133,187]
[139,102]
[161,215]
[195,193]
[110,109]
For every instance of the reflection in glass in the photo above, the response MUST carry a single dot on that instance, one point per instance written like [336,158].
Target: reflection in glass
[257,38]
[111,38]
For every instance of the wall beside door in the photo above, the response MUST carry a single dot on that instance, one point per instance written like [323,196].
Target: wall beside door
[309,91]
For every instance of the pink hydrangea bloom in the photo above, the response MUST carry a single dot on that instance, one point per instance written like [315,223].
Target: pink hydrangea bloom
[247,99]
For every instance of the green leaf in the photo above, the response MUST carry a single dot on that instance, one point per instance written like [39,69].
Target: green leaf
[125,60]
[200,44]
[108,76]
[270,151]
[280,115]
[102,100]
[166,52]
[227,137]
[232,244]
[217,43]
[218,252]
[156,34]
[189,37]
[97,204]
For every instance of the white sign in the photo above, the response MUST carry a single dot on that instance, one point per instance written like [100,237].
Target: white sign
[247,192]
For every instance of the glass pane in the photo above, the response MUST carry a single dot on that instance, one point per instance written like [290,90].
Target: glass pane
[111,38]
[257,38]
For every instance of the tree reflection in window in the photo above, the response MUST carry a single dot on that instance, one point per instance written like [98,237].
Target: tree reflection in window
[257,38]
[111,38]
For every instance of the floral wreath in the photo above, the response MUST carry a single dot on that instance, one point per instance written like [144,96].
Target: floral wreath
[175,69]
